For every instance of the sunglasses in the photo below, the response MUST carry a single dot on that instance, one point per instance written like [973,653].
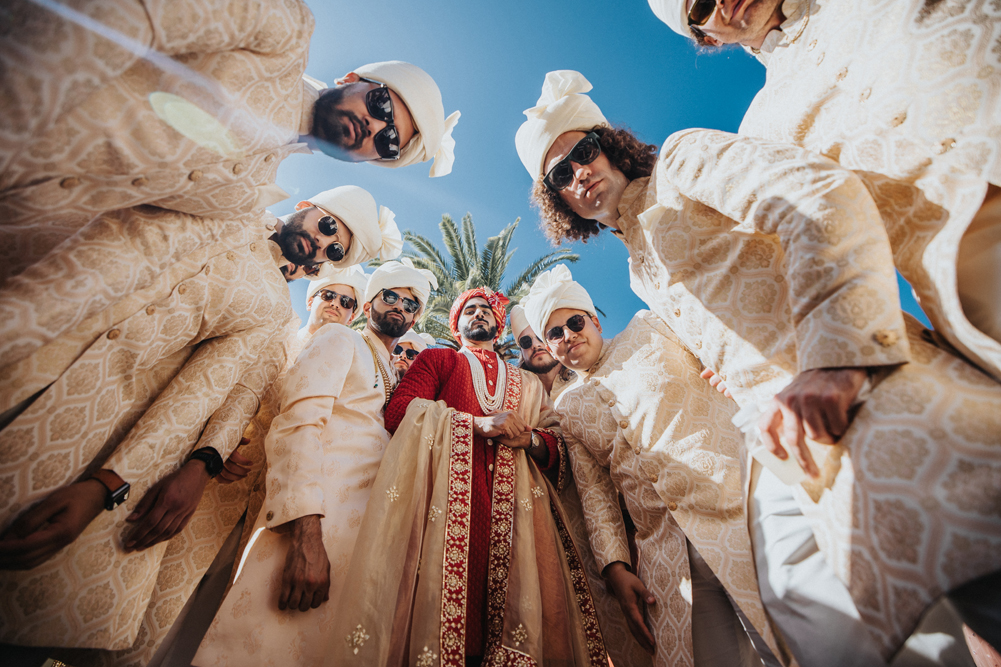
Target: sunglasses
[328,227]
[701,12]
[584,151]
[389,297]
[402,351]
[575,324]
[380,107]
[347,302]
[527,341]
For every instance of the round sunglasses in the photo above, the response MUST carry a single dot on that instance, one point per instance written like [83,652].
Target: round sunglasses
[575,323]
[527,341]
[701,12]
[347,302]
[584,151]
[401,351]
[389,297]
[328,227]
[379,104]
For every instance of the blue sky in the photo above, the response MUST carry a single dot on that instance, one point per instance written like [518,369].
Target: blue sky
[489,60]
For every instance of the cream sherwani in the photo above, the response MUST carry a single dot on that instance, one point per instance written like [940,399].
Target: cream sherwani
[199,124]
[176,362]
[764,259]
[323,451]
[642,422]
[921,129]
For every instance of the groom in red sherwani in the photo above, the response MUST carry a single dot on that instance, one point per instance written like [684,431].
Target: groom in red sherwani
[476,320]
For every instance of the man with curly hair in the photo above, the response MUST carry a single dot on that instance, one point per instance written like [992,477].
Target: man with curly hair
[770,265]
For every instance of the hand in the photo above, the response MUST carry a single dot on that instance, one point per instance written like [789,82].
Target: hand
[815,403]
[522,441]
[507,424]
[235,468]
[716,381]
[167,507]
[38,534]
[633,597]
[306,578]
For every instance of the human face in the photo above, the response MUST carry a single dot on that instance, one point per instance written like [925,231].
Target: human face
[536,358]
[392,321]
[596,189]
[476,321]
[330,312]
[345,126]
[400,361]
[303,243]
[575,350]
[745,22]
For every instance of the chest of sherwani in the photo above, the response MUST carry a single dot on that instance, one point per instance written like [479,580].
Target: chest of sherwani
[764,261]
[198,124]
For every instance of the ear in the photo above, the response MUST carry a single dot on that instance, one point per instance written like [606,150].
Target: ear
[710,41]
[597,324]
[355,314]
[309,303]
[350,77]
[301,205]
[367,307]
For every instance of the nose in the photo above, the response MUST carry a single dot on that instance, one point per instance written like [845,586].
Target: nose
[581,172]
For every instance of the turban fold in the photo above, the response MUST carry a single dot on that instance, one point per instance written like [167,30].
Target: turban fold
[373,228]
[497,301]
[420,341]
[552,290]
[354,277]
[674,13]
[563,107]
[402,274]
[518,320]
[423,98]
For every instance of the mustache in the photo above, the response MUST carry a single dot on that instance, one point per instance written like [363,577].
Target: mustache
[336,130]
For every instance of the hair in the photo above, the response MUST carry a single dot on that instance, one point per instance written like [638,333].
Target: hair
[628,154]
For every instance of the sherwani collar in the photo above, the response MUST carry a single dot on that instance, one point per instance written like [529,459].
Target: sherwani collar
[380,347]
[627,206]
[797,13]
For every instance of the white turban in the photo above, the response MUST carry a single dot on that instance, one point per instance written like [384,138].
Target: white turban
[552,290]
[402,274]
[354,277]
[373,228]
[674,13]
[420,341]
[518,320]
[563,107]
[423,98]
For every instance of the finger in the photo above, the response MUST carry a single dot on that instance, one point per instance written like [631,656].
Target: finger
[224,477]
[240,459]
[319,597]
[639,629]
[835,420]
[726,392]
[13,552]
[175,526]
[706,373]
[795,439]
[769,423]
[148,529]
[305,599]
[811,413]
[35,518]
[285,591]
[146,503]
[715,380]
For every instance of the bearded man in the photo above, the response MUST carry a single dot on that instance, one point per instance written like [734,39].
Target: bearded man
[769,264]
[467,486]
[920,130]
[323,451]
[535,356]
[407,349]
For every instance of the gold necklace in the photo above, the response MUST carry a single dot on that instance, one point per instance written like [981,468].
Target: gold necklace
[379,370]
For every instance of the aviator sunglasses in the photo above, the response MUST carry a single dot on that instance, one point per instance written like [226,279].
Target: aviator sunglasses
[328,227]
[380,107]
[701,12]
[584,151]
[401,351]
[527,341]
[575,324]
[389,297]
[347,303]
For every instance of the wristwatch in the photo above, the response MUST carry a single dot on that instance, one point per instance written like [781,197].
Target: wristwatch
[211,458]
[118,488]
[536,440]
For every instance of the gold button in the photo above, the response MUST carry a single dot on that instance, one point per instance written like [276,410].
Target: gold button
[490,441]
[944,146]
[114,333]
[230,256]
[253,247]
[208,269]
[656,285]
[652,477]
[271,515]
[490,467]
[639,258]
[812,45]
[698,344]
[842,73]
[182,288]
[864,95]
[820,58]
[898,119]
[70,182]
[237,168]
[269,158]
[195,175]
[624,424]
[672,506]
[885,337]
[141,181]
[150,310]
[611,403]
[677,312]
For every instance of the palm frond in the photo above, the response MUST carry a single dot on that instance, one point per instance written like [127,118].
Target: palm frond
[544,263]
[453,244]
[469,238]
[423,246]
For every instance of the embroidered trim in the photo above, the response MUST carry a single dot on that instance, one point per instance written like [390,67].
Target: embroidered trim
[456,548]
[501,537]
[505,656]
[512,397]
[561,447]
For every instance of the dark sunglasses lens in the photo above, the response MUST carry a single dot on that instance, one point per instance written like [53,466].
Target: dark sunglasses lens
[525,342]
[410,305]
[348,303]
[555,333]
[387,143]
[576,323]
[701,11]
[412,354]
[327,225]
[335,252]
[327,295]
[311,270]
[380,104]
[389,297]
[398,350]
[586,151]
[561,175]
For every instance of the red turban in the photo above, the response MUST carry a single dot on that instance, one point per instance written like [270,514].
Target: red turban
[496,300]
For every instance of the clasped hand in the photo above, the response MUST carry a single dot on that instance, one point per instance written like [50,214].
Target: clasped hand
[507,428]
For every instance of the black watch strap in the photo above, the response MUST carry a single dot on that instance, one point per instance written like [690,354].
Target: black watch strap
[211,458]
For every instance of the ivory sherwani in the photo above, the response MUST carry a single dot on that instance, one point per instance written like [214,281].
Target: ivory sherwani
[135,384]
[765,261]
[198,126]
[921,129]
[642,422]
[323,451]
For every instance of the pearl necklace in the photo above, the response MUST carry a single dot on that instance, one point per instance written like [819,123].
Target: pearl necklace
[489,403]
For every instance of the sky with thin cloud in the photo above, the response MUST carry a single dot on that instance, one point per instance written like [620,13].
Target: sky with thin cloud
[490,59]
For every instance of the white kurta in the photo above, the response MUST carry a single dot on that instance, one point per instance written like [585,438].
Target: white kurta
[323,451]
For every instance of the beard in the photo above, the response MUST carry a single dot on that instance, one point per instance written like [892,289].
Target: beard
[387,327]
[479,334]
[540,368]
[330,122]
[292,236]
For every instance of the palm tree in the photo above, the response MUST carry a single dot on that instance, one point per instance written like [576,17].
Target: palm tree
[467,266]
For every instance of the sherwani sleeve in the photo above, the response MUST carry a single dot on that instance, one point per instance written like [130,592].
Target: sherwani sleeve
[551,433]
[294,445]
[842,284]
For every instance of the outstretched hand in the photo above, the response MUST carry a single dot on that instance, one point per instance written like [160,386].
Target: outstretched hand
[633,597]
[816,405]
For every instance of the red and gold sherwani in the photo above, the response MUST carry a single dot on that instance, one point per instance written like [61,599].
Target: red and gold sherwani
[441,374]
